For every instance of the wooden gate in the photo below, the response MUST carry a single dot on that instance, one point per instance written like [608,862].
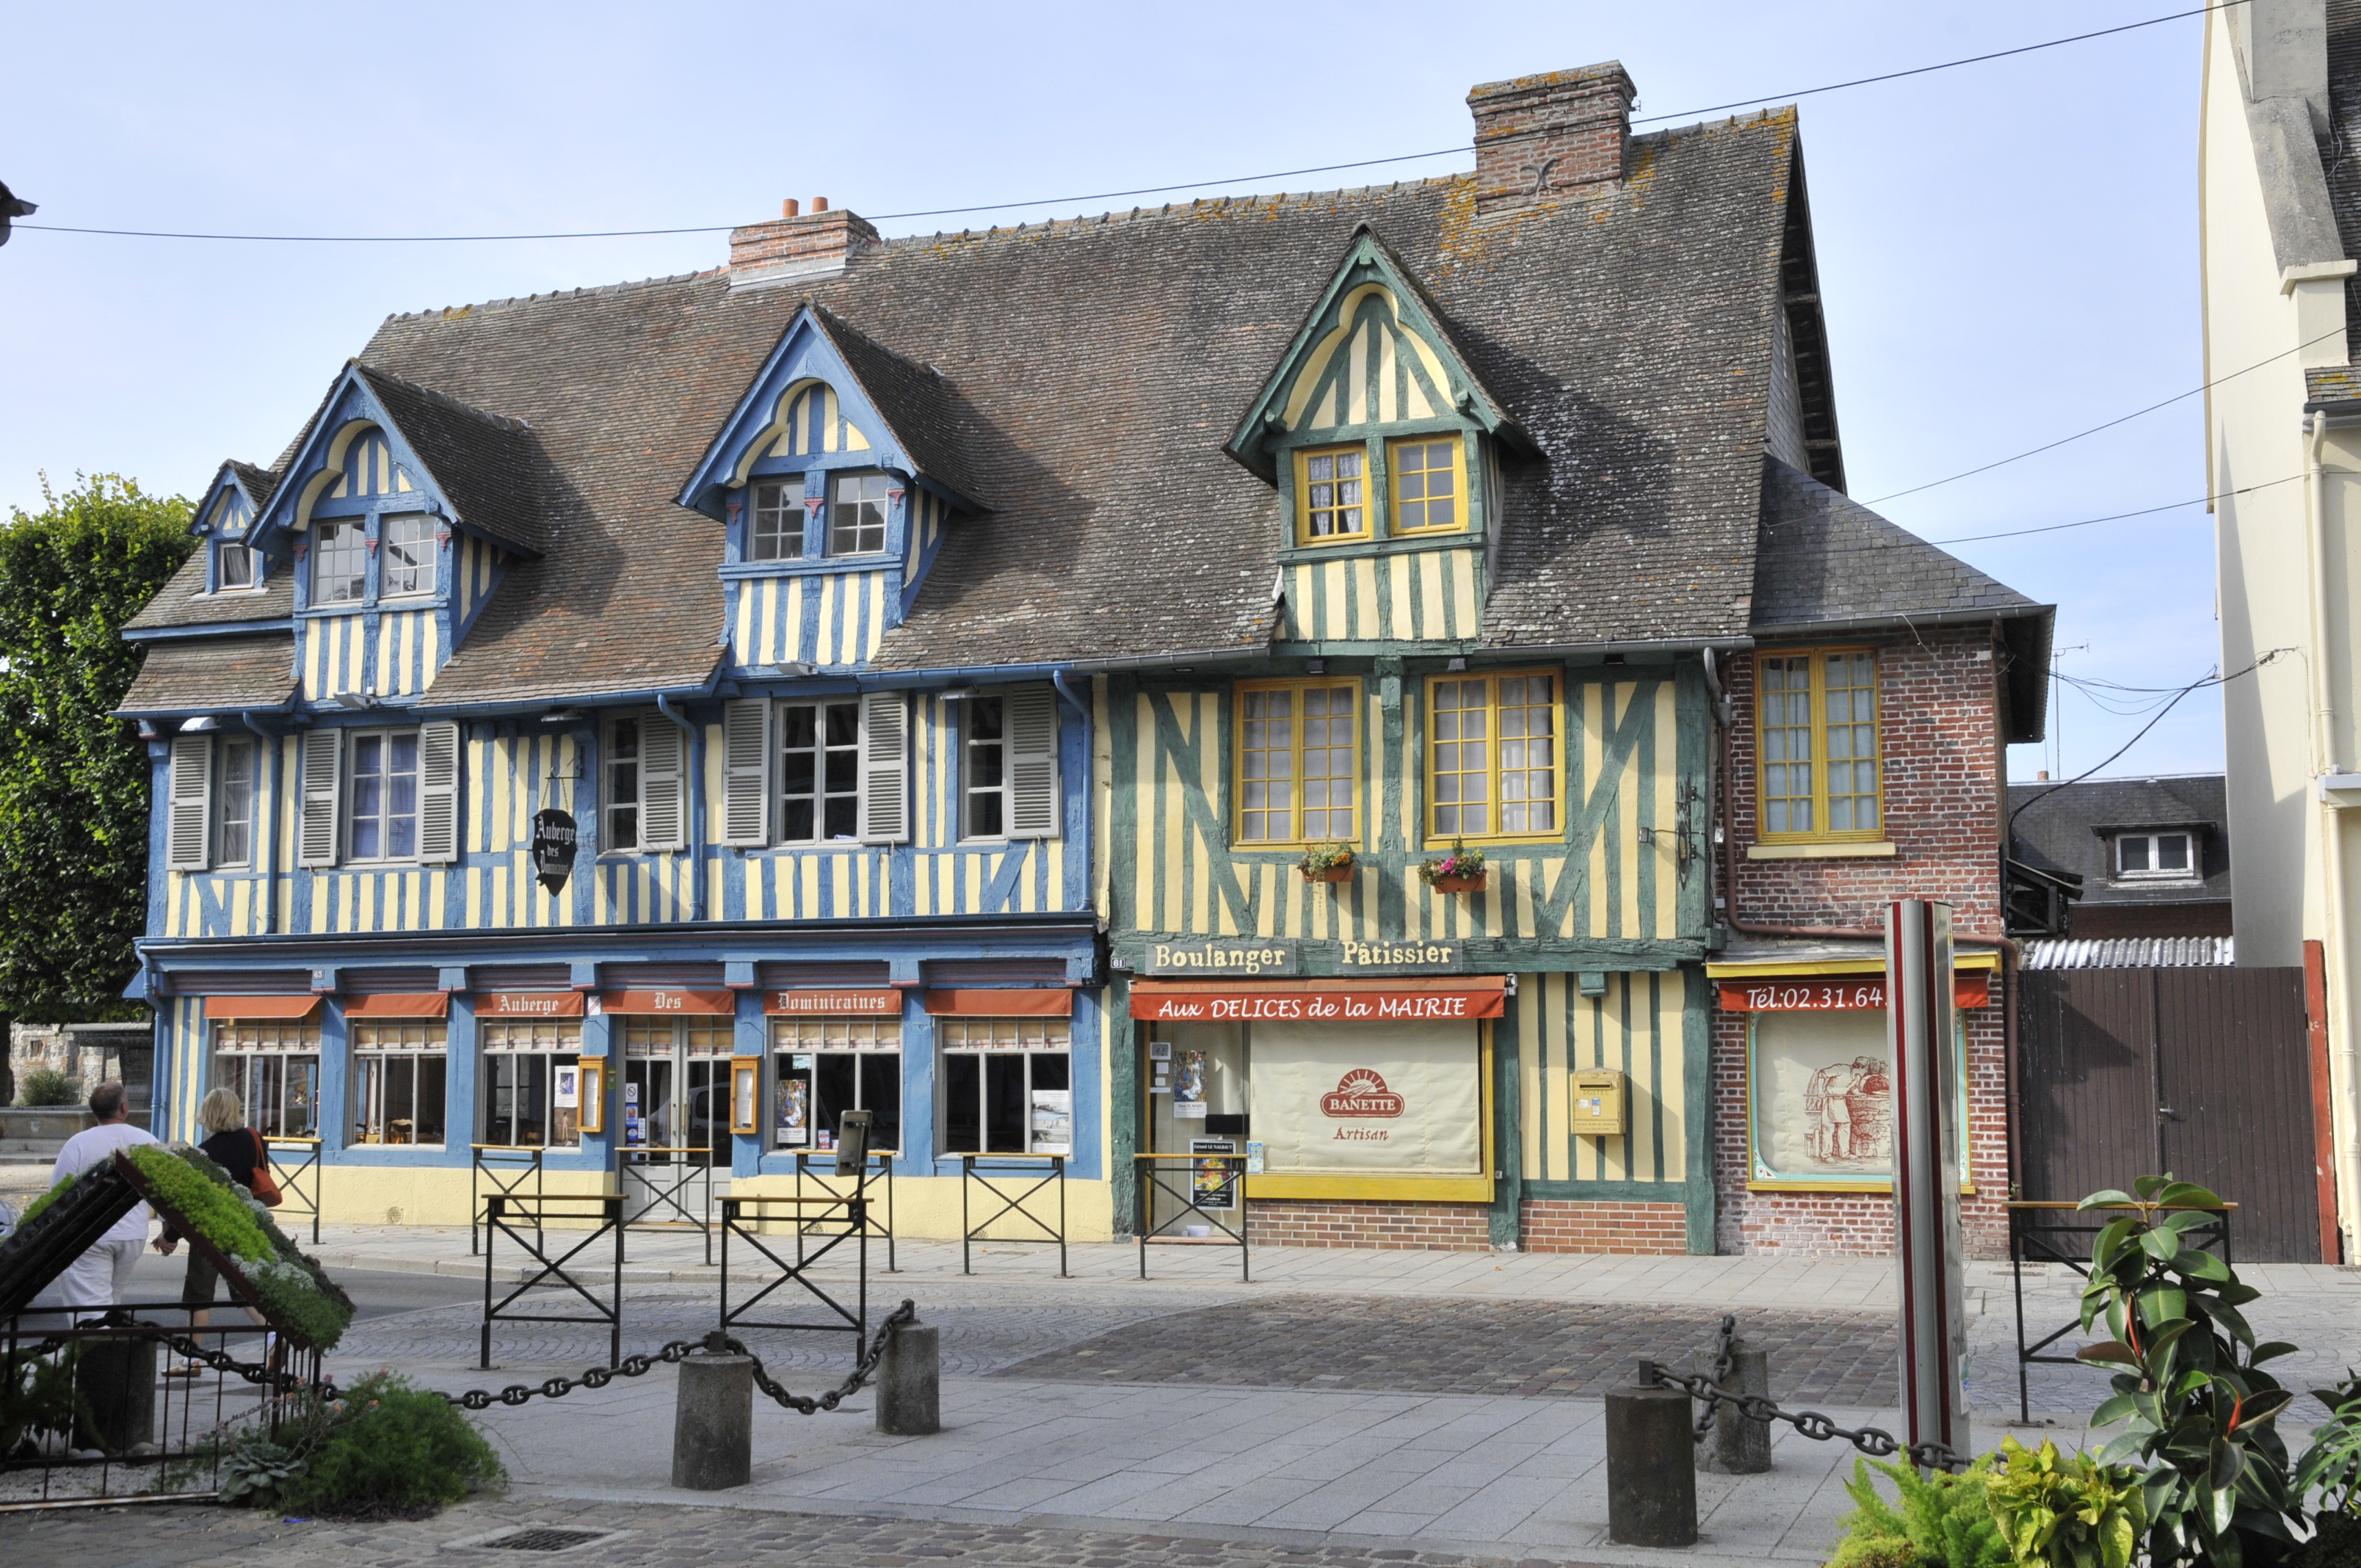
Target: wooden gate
[2203,1072]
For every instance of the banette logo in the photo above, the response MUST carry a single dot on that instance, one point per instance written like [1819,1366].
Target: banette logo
[1361,1093]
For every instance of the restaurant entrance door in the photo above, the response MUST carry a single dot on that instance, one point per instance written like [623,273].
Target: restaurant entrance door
[674,1151]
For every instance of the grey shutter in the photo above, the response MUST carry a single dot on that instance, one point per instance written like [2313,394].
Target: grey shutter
[1032,731]
[884,768]
[438,793]
[324,756]
[746,772]
[662,813]
[189,846]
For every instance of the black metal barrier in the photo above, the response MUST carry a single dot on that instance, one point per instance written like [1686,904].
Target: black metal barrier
[290,1178]
[606,1209]
[987,1171]
[2043,1232]
[683,1165]
[828,1185]
[740,1220]
[490,1160]
[1216,1187]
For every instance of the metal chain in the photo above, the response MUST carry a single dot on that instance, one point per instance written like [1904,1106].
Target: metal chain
[1725,1362]
[907,1313]
[1871,1441]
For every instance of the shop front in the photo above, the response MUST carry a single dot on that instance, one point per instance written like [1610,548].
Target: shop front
[1362,1106]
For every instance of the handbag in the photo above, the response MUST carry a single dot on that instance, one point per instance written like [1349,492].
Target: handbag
[265,1186]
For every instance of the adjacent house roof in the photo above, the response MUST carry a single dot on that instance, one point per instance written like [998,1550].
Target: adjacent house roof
[184,602]
[217,672]
[2068,828]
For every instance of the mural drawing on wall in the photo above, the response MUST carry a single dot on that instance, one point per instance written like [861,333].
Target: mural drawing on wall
[1823,1097]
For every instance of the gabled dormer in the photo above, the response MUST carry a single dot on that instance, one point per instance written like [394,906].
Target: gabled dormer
[1381,441]
[834,478]
[225,521]
[398,513]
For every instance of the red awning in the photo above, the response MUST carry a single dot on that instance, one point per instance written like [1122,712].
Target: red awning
[529,1004]
[399,1004]
[1007,1003]
[1826,993]
[1398,1001]
[816,1000]
[297,1007]
[710,1003]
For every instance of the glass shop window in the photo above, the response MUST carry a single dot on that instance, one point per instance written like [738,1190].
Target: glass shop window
[400,1077]
[1008,1085]
[275,1069]
[829,1066]
[533,1084]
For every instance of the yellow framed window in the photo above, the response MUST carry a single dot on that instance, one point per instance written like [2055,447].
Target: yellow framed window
[1299,762]
[1817,738]
[1429,484]
[1492,757]
[1332,494]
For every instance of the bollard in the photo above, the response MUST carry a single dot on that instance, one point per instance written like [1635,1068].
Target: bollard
[909,1383]
[1651,1465]
[713,1423]
[1741,1447]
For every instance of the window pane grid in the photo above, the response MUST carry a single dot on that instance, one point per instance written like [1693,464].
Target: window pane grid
[274,1067]
[1297,765]
[1334,504]
[1029,1033]
[1850,704]
[406,554]
[777,533]
[837,1034]
[857,521]
[234,803]
[623,765]
[1819,765]
[1787,701]
[339,560]
[1492,756]
[819,772]
[986,783]
[1426,485]
[385,796]
[232,566]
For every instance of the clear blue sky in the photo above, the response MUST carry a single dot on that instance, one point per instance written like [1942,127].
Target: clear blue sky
[2008,250]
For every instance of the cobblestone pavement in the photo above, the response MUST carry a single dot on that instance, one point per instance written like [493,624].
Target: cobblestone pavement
[651,1535]
[1428,1346]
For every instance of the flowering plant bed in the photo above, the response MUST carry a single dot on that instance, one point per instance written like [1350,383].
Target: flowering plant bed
[1328,862]
[1461,871]
[236,1231]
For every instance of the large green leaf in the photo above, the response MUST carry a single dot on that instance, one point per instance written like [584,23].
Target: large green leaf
[2187,1195]
[2110,1198]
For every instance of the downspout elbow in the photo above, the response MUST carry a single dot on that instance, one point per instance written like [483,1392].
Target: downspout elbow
[1057,679]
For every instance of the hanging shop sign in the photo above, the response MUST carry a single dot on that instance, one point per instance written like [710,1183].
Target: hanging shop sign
[554,838]
[1213,955]
[1835,993]
[1323,1000]
[860,1003]
[529,1004]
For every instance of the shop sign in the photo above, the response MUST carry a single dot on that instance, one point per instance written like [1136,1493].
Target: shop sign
[710,1003]
[554,838]
[1351,1001]
[835,1004]
[529,1004]
[1843,993]
[1361,1093]
[1215,956]
[1403,958]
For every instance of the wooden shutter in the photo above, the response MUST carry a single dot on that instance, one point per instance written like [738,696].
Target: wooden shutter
[662,811]
[324,756]
[746,772]
[438,793]
[189,846]
[1032,731]
[884,768]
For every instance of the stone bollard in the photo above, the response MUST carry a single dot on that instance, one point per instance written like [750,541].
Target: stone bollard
[909,1383]
[1651,1465]
[1741,1447]
[713,1423]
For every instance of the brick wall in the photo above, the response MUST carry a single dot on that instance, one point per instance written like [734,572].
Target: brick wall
[1551,1224]
[1447,1227]
[1944,782]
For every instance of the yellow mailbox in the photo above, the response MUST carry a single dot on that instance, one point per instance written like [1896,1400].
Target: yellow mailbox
[1601,1105]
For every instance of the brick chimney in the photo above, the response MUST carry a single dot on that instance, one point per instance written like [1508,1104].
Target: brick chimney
[797,247]
[1543,139]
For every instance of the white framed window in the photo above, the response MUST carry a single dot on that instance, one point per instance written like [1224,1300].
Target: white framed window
[2156,857]
[822,772]
[339,560]
[826,1065]
[775,530]
[523,1089]
[405,554]
[1008,765]
[641,805]
[984,774]
[234,801]
[819,772]
[1008,1085]
[274,1066]
[382,816]
[233,567]
[856,516]
[400,1082]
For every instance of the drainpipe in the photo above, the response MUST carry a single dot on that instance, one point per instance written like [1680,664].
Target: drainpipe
[265,842]
[692,765]
[2345,1078]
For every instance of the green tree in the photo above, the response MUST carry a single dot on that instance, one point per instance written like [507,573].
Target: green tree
[73,780]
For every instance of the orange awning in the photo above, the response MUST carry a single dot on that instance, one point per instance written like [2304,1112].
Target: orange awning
[1400,999]
[1828,993]
[709,1004]
[399,1004]
[1008,1004]
[296,1007]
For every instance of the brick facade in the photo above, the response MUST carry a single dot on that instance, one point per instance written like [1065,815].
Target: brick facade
[1656,1230]
[1440,1227]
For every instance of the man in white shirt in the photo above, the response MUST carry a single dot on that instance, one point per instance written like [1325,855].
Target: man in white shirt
[102,1277]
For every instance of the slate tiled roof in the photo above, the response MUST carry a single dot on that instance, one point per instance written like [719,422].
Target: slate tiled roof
[2337,157]
[1825,559]
[185,602]
[924,414]
[261,483]
[489,468]
[190,677]
[2327,384]
[2063,833]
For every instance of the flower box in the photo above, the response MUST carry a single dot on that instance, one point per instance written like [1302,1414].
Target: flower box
[1461,884]
[1330,874]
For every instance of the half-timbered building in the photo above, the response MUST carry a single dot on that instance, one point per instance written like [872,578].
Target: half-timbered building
[1049,687]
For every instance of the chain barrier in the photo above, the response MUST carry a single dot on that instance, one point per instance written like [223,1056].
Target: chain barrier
[1871,1441]
[1725,1362]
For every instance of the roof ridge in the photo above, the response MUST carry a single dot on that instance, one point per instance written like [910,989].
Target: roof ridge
[515,300]
[1169,209]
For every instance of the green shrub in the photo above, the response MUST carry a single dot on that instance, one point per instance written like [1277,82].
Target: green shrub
[392,1450]
[1943,1521]
[2067,1510]
[201,1195]
[44,1200]
[47,1086]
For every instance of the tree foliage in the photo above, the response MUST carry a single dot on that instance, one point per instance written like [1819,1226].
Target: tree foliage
[73,781]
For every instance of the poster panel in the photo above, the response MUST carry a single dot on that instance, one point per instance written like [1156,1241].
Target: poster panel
[1369,1099]
[1821,1086]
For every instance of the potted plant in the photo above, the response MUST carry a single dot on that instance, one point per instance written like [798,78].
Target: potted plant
[1328,862]
[1462,870]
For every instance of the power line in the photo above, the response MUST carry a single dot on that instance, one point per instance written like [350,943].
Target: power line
[2063,440]
[2117,517]
[1139,190]
[2211,678]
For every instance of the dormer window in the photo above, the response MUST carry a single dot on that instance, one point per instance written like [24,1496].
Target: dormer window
[1332,498]
[340,561]
[2156,857]
[856,522]
[233,567]
[406,541]
[1429,485]
[777,533]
